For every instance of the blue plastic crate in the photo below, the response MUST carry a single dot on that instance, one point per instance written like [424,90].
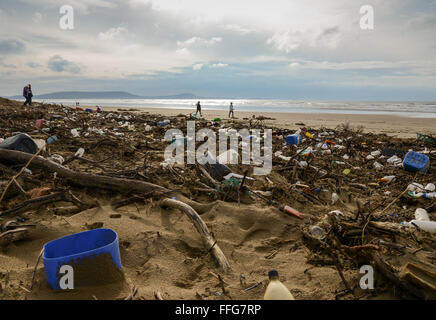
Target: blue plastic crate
[293,139]
[415,162]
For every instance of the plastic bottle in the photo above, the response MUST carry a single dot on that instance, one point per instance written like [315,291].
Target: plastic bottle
[80,152]
[335,197]
[52,139]
[421,214]
[429,226]
[430,195]
[292,211]
[430,187]
[276,290]
[387,179]
[415,187]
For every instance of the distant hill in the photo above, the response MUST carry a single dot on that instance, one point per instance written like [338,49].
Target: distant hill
[71,95]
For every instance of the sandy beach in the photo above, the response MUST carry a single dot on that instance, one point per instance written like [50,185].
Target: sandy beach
[163,252]
[392,125]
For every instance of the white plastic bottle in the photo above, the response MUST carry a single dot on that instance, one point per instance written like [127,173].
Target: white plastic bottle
[429,226]
[276,290]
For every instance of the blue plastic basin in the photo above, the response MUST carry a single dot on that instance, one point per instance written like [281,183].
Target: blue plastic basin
[73,248]
[414,162]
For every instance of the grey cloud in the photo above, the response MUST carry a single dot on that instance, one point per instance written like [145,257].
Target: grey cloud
[423,22]
[58,64]
[12,46]
[330,32]
[33,65]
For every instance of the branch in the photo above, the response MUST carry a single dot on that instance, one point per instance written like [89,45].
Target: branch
[208,240]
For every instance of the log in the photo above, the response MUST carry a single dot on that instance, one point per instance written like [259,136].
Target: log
[37,202]
[87,180]
[208,240]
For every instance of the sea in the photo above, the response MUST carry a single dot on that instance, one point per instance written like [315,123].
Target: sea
[408,109]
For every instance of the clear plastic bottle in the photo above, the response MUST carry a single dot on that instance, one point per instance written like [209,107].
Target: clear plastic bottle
[430,195]
[276,290]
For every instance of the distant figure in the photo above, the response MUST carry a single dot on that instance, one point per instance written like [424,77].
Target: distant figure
[231,109]
[199,108]
[27,93]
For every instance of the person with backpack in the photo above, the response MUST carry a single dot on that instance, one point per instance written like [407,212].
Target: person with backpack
[27,94]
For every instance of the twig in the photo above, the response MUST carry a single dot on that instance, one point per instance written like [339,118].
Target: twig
[132,293]
[18,174]
[36,266]
[253,287]
[158,296]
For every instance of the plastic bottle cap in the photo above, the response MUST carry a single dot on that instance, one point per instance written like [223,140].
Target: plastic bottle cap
[273,273]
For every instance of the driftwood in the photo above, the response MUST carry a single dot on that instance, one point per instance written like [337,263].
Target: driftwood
[87,180]
[384,269]
[208,240]
[12,235]
[26,205]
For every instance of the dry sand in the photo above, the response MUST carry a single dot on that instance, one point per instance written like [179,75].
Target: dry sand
[162,251]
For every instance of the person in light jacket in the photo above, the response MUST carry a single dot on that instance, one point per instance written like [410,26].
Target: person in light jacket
[231,110]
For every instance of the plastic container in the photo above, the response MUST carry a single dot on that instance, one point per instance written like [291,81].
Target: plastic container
[75,133]
[52,139]
[429,226]
[430,187]
[293,139]
[377,165]
[72,248]
[317,232]
[276,290]
[430,195]
[421,214]
[20,142]
[414,162]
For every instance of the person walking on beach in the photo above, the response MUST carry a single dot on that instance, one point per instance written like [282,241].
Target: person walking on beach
[231,109]
[199,108]
[27,93]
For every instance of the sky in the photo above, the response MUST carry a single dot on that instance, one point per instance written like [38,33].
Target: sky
[281,49]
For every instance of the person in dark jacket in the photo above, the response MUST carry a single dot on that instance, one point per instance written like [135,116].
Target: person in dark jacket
[27,93]
[199,108]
